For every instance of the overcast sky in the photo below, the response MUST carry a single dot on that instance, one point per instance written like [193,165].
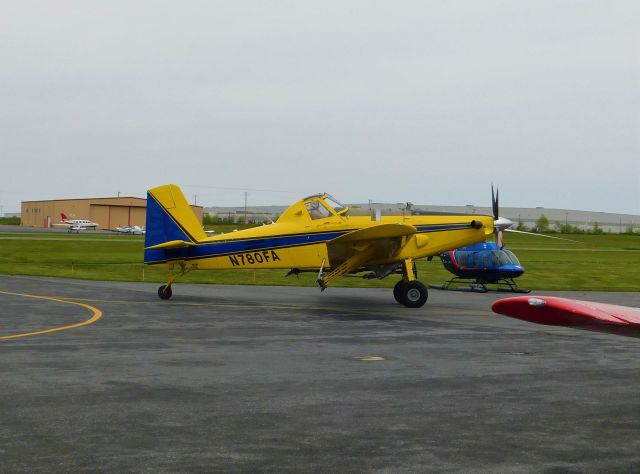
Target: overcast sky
[424,101]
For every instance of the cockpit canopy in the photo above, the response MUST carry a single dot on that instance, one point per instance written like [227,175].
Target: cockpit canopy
[316,207]
[320,206]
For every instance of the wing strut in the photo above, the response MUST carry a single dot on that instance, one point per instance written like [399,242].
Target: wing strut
[353,262]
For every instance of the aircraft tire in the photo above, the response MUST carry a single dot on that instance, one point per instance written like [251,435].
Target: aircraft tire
[414,294]
[164,292]
[397,291]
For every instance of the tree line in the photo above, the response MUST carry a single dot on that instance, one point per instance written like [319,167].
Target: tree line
[543,225]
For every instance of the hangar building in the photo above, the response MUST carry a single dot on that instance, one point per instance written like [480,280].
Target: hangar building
[109,213]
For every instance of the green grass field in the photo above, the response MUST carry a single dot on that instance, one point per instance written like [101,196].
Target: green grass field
[607,262]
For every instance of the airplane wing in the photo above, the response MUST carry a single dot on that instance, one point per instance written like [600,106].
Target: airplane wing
[382,231]
[354,249]
[578,314]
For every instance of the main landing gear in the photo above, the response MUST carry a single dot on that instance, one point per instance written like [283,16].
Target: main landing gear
[409,291]
[412,294]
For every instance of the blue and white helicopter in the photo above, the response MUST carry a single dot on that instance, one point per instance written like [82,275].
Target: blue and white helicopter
[486,263]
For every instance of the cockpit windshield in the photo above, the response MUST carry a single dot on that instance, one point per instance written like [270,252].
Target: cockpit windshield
[316,210]
[486,259]
[320,206]
[336,205]
[512,257]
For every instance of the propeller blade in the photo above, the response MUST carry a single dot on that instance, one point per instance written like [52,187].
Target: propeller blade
[499,223]
[543,235]
[494,204]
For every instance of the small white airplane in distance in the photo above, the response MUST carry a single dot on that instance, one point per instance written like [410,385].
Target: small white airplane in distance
[132,229]
[76,224]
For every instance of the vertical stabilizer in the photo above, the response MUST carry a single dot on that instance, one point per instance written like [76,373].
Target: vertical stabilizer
[170,218]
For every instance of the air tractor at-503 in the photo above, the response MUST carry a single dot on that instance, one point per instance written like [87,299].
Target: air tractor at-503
[314,234]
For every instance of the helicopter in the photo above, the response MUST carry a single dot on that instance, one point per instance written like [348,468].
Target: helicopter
[486,262]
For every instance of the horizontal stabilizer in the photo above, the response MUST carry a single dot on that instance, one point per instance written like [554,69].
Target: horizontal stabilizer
[173,244]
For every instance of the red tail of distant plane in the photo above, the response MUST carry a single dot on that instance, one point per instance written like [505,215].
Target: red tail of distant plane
[64,217]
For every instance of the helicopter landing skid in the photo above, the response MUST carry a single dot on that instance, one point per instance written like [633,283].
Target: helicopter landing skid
[476,286]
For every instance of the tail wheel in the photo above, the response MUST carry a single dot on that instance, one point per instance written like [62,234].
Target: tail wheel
[413,294]
[164,292]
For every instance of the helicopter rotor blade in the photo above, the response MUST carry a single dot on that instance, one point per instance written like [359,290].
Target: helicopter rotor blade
[501,224]
[543,235]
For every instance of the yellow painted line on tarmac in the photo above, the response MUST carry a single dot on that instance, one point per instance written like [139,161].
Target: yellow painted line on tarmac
[389,312]
[96,314]
[285,306]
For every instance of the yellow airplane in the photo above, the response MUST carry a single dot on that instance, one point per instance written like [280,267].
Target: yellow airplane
[313,234]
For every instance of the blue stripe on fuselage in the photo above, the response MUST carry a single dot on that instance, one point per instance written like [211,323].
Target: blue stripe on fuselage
[219,249]
[229,247]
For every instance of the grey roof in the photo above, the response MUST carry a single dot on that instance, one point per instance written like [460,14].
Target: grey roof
[610,222]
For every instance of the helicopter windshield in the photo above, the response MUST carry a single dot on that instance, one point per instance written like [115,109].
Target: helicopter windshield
[505,257]
[512,257]
[486,259]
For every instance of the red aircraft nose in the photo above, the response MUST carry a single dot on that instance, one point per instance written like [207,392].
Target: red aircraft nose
[527,308]
[556,311]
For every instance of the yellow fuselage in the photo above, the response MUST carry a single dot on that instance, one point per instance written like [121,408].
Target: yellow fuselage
[291,245]
[306,236]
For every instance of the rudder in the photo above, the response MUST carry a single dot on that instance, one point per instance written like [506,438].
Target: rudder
[170,218]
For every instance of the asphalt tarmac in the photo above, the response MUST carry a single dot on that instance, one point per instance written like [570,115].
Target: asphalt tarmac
[280,379]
